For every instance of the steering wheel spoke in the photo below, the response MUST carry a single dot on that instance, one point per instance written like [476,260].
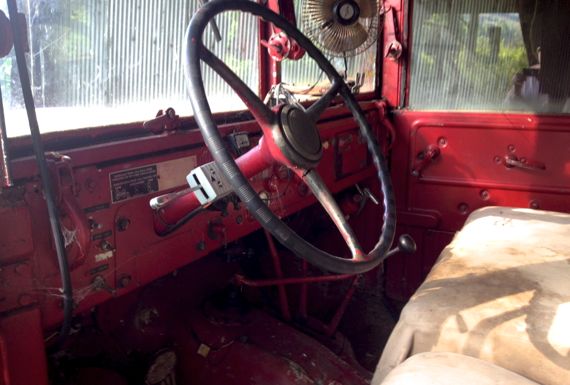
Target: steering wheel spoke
[316,184]
[317,108]
[261,113]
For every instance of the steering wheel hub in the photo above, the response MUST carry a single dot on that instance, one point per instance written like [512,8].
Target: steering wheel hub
[301,141]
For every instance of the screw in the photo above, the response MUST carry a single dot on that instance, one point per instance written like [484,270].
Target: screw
[201,246]
[93,225]
[123,223]
[533,204]
[442,142]
[511,148]
[124,281]
[484,195]
[105,246]
[463,208]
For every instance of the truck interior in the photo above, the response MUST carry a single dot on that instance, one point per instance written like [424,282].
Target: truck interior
[332,192]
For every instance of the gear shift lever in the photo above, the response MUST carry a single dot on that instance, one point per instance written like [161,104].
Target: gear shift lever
[406,244]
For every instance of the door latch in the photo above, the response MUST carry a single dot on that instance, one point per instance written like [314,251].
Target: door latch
[512,161]
[425,157]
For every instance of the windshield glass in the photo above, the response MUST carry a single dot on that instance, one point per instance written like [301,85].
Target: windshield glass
[95,63]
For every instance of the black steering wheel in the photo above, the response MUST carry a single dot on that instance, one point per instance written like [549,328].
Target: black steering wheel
[290,137]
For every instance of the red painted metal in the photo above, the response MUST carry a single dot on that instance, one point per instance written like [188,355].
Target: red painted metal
[286,9]
[469,173]
[283,301]
[22,349]
[241,280]
[393,71]
[164,121]
[335,321]
[251,163]
[328,329]
[124,249]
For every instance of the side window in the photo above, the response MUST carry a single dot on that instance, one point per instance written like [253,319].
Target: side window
[106,62]
[488,55]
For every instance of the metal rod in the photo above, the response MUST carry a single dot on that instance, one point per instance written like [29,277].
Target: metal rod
[49,195]
[6,173]
[335,321]
[303,293]
[241,280]
[283,300]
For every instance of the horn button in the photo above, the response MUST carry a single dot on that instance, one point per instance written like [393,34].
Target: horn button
[300,141]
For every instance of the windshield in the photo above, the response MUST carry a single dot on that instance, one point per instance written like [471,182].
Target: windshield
[98,63]
[95,63]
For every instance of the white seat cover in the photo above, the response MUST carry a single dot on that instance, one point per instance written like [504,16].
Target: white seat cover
[451,369]
[500,292]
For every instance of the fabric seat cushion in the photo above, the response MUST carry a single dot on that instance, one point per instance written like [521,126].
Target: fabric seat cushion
[451,369]
[499,292]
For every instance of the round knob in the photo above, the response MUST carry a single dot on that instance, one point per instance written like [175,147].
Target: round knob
[406,244]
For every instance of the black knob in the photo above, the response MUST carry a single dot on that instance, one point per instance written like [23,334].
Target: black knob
[406,244]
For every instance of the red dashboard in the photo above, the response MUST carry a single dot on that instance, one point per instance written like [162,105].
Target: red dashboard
[104,193]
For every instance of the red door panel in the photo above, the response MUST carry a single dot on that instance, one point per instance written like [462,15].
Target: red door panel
[449,164]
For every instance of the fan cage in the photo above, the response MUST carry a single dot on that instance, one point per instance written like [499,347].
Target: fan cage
[335,39]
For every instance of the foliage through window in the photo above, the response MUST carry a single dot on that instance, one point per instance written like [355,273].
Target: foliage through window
[507,55]
[96,63]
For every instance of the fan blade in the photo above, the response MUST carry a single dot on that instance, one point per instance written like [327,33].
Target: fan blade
[368,8]
[340,38]
[318,11]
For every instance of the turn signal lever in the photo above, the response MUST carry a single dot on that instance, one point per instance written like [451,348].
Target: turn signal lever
[406,245]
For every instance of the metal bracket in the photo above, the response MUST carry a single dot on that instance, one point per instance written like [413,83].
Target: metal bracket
[165,121]
[66,197]
[393,48]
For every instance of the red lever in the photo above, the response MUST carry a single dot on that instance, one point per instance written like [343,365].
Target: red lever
[177,205]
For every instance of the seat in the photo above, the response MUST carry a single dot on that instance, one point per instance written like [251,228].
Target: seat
[451,369]
[499,292]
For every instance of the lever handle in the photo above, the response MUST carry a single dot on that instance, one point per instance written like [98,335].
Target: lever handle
[406,245]
[512,161]
[426,157]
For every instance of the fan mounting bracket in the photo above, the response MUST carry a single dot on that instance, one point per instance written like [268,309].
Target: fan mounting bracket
[346,12]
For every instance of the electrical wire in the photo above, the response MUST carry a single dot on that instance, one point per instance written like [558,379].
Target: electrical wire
[6,174]
[67,292]
[181,222]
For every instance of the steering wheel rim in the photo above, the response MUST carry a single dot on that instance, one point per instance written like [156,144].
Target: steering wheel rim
[304,167]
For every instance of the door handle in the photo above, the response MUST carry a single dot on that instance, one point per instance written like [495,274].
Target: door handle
[512,161]
[425,158]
